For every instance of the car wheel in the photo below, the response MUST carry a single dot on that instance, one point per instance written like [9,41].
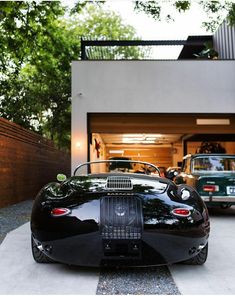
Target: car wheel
[199,259]
[38,255]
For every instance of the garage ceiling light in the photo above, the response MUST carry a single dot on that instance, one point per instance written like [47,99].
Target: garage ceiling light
[142,135]
[213,121]
[140,138]
[116,151]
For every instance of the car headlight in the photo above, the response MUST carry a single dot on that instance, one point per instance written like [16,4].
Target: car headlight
[185,194]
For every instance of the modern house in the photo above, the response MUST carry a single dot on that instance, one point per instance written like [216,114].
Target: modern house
[154,110]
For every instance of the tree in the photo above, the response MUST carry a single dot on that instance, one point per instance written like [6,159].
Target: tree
[215,10]
[23,25]
[97,24]
[38,45]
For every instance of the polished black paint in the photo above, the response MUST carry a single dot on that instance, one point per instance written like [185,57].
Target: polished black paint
[76,238]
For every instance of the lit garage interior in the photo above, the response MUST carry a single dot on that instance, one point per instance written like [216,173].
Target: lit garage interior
[162,139]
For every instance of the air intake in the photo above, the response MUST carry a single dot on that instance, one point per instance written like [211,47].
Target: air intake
[121,217]
[119,183]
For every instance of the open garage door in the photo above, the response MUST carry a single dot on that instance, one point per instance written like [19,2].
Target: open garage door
[162,139]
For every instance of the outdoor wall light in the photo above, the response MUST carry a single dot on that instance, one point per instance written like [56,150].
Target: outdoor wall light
[78,145]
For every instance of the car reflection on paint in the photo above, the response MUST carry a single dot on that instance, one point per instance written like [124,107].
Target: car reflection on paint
[124,216]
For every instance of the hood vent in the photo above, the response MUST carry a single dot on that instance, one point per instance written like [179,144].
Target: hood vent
[119,183]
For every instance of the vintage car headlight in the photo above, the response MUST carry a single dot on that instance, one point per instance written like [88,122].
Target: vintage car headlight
[185,194]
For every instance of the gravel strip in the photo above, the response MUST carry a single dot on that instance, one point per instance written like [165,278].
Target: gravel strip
[14,216]
[148,280]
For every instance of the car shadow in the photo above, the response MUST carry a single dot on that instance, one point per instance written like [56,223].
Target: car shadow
[218,212]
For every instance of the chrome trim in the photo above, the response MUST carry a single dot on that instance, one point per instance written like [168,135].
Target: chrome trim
[219,198]
[40,247]
[118,183]
[200,247]
[107,161]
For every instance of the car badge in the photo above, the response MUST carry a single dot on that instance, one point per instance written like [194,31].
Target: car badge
[120,210]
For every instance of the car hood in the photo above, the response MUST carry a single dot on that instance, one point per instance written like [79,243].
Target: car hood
[117,182]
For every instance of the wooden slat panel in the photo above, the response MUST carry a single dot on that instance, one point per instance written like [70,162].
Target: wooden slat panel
[27,162]
[161,157]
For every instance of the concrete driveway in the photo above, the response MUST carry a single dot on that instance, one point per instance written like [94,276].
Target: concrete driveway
[217,275]
[19,274]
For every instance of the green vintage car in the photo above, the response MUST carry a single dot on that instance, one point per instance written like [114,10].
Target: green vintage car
[212,175]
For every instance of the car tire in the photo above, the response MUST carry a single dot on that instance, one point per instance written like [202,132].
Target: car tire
[38,255]
[199,259]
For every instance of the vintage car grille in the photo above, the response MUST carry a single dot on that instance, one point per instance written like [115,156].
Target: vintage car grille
[119,183]
[121,217]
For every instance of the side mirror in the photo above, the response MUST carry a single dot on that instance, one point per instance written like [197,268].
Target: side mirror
[61,177]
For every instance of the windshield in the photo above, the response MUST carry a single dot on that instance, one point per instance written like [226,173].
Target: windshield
[119,166]
[213,164]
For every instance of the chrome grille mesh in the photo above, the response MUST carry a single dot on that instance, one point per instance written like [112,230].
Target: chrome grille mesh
[119,183]
[121,217]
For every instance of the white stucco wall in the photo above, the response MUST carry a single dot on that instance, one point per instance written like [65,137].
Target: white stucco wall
[147,86]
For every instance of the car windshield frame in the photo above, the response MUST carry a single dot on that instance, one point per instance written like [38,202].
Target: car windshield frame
[151,169]
[213,164]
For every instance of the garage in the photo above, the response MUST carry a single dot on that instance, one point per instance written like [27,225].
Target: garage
[155,111]
[162,139]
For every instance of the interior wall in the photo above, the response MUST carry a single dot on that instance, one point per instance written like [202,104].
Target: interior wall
[163,156]
[177,154]
[230,147]
[193,146]
[159,156]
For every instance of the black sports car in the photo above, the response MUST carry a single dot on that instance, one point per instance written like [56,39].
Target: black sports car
[119,212]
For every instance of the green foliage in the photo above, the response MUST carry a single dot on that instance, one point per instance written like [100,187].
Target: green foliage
[35,81]
[97,24]
[37,46]
[182,5]
[231,14]
[215,10]
[152,8]
[80,4]
[208,52]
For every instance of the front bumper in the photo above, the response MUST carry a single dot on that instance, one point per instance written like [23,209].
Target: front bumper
[154,249]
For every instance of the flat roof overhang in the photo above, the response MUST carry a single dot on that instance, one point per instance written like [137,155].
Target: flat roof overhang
[164,123]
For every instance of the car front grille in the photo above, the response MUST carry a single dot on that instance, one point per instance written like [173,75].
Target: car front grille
[121,217]
[119,183]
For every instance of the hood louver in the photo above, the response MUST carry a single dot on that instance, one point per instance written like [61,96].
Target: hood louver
[119,183]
